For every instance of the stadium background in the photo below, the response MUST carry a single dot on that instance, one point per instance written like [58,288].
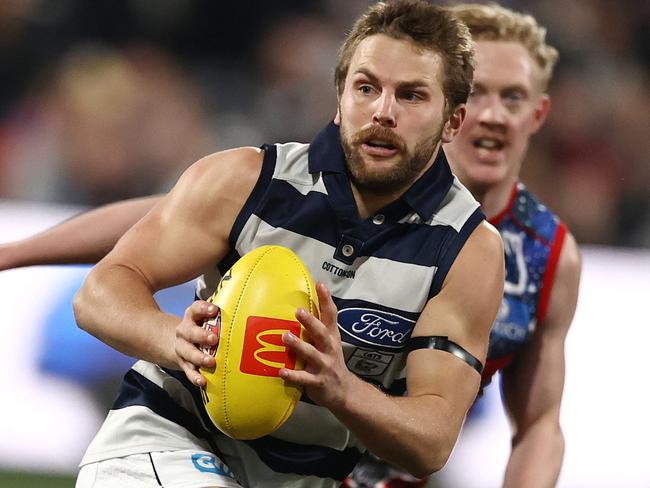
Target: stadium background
[105,100]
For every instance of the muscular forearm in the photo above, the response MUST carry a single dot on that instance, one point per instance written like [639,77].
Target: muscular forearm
[115,305]
[416,434]
[536,458]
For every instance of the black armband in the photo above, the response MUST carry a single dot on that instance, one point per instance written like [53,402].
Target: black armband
[442,343]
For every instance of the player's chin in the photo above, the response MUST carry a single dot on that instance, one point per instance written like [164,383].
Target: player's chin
[486,172]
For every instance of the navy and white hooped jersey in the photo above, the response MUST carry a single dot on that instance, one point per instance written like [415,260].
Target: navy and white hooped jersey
[532,238]
[381,272]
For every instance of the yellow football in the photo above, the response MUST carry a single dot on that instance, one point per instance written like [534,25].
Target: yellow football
[257,298]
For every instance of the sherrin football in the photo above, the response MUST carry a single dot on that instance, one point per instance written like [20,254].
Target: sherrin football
[257,298]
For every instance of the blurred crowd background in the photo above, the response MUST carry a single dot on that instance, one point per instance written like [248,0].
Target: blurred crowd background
[108,99]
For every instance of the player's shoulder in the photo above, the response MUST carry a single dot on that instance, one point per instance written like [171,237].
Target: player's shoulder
[486,240]
[233,165]
[482,251]
[532,214]
[219,181]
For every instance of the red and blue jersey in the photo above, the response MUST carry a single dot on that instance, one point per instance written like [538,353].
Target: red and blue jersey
[532,238]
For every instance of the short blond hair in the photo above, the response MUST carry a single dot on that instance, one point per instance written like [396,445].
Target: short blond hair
[493,22]
[428,27]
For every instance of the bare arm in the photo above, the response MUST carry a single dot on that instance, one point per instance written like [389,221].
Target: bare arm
[84,238]
[533,385]
[186,233]
[417,432]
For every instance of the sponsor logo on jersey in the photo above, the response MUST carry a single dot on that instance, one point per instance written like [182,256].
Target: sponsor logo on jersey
[335,270]
[208,463]
[375,327]
[366,362]
[264,353]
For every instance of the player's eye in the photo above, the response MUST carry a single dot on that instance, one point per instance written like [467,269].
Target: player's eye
[515,96]
[411,96]
[475,93]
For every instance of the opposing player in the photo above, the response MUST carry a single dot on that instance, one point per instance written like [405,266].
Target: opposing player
[509,104]
[372,195]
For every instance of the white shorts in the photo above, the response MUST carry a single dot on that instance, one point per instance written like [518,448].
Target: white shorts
[168,469]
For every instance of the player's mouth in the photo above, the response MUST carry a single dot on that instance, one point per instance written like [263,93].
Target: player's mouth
[379,148]
[489,143]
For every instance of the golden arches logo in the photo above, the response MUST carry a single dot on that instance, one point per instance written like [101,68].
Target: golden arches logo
[263,353]
[269,347]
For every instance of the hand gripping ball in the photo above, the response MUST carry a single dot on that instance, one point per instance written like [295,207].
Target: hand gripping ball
[257,298]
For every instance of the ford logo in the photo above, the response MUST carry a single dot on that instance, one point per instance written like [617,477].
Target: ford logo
[375,327]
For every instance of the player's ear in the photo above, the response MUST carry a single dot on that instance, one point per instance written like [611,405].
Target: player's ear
[337,117]
[541,111]
[453,124]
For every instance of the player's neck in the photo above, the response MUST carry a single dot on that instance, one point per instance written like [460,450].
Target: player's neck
[493,198]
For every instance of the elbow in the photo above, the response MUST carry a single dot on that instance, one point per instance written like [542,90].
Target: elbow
[546,439]
[79,309]
[82,307]
[555,439]
[437,463]
[429,467]
[431,461]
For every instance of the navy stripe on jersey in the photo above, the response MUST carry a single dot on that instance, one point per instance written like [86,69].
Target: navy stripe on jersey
[287,457]
[312,216]
[194,391]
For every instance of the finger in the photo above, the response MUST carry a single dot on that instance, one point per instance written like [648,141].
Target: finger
[297,377]
[190,353]
[195,334]
[192,374]
[316,330]
[200,310]
[306,351]
[328,311]
[206,334]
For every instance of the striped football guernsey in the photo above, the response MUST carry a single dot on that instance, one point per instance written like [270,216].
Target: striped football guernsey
[381,271]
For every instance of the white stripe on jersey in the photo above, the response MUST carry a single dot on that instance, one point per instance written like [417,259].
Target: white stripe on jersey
[292,170]
[371,273]
[456,208]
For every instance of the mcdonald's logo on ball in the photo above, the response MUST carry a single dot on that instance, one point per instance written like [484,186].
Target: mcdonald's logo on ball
[264,353]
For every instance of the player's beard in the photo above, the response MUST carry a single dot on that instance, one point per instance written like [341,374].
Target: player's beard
[401,174]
